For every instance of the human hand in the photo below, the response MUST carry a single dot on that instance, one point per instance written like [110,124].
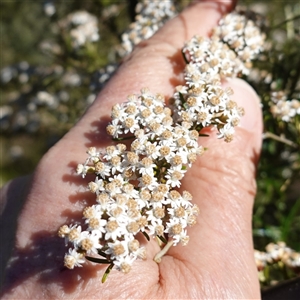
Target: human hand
[217,263]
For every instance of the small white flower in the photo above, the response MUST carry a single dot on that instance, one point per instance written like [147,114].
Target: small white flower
[176,230]
[204,116]
[96,186]
[146,166]
[89,241]
[73,259]
[93,156]
[152,218]
[130,124]
[118,250]
[174,176]
[114,229]
[151,150]
[147,181]
[226,132]
[102,169]
[82,170]
[114,128]
[110,152]
[123,263]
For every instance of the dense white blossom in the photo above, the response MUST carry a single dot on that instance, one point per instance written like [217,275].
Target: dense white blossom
[283,108]
[83,28]
[136,185]
[277,252]
[151,15]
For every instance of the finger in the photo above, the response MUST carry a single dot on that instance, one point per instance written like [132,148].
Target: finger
[223,185]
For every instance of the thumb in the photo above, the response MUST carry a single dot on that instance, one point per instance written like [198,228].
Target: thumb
[222,183]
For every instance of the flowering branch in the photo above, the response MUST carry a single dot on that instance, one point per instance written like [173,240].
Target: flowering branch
[136,185]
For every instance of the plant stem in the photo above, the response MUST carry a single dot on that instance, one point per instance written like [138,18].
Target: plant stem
[281,139]
[163,251]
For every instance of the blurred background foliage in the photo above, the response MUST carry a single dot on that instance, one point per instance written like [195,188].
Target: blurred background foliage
[48,79]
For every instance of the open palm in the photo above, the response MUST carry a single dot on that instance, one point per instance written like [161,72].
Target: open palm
[217,263]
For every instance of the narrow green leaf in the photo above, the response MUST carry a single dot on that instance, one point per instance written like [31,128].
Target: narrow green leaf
[98,260]
[146,236]
[184,57]
[181,97]
[106,273]
[162,238]
[123,138]
[101,253]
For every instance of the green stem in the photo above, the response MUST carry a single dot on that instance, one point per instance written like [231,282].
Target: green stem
[285,21]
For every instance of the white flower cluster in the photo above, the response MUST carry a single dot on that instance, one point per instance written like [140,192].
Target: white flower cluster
[208,104]
[47,99]
[242,35]
[84,28]
[212,58]
[49,8]
[151,15]
[136,184]
[203,101]
[136,188]
[283,108]
[278,252]
[21,72]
